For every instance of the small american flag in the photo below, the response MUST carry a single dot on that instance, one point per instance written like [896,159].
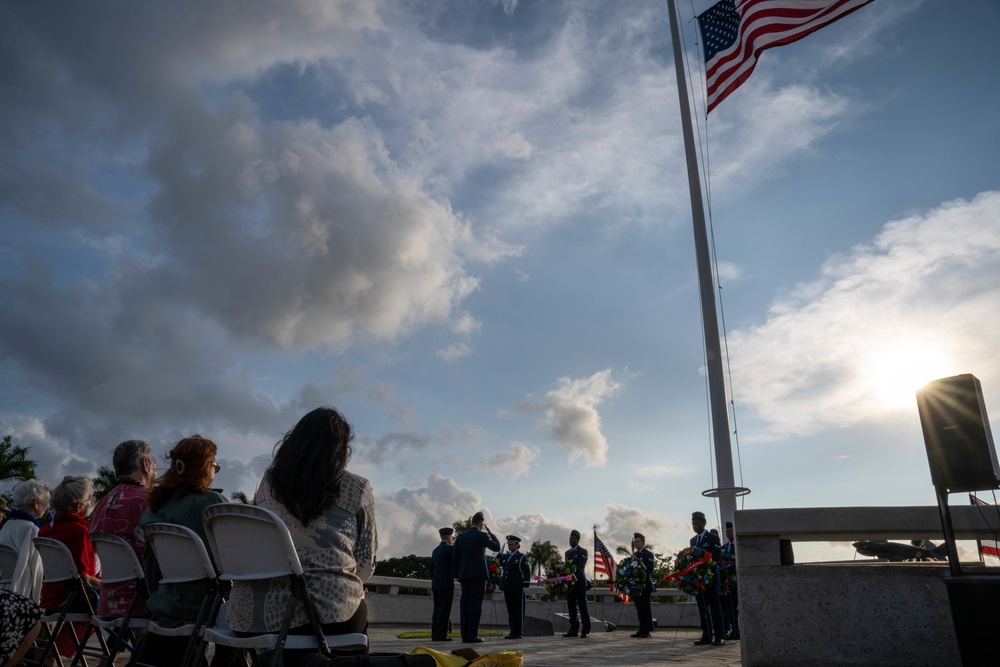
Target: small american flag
[735,32]
[986,548]
[605,564]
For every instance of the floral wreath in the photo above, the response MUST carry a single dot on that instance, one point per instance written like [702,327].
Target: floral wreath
[493,573]
[727,573]
[692,570]
[559,577]
[630,577]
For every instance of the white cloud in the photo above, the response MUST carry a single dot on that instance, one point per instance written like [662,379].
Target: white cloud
[510,464]
[408,519]
[570,415]
[454,351]
[918,302]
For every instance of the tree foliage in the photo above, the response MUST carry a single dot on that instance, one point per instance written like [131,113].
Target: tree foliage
[105,481]
[14,461]
[539,554]
[240,497]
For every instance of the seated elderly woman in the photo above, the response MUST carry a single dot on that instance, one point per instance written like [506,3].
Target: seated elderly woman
[19,529]
[330,514]
[179,497]
[72,500]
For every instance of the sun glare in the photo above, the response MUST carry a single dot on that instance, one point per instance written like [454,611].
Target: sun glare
[896,371]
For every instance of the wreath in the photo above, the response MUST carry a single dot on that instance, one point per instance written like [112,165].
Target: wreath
[493,573]
[727,573]
[559,577]
[692,570]
[630,577]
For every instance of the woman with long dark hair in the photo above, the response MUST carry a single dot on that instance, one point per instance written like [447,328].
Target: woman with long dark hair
[178,497]
[330,514]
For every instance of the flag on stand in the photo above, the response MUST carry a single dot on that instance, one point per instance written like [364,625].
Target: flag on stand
[987,548]
[605,564]
[735,32]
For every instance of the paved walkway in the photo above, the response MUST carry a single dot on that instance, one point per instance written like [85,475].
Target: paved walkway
[607,649]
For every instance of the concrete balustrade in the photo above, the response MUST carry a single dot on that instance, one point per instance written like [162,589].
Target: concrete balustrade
[851,614]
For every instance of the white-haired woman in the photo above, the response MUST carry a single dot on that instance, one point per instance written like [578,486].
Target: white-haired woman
[72,500]
[31,499]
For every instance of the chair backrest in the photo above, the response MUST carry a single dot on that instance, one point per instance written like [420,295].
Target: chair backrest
[8,561]
[119,561]
[57,561]
[249,543]
[180,553]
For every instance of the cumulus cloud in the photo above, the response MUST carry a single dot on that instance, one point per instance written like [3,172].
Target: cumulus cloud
[570,416]
[880,320]
[510,464]
[408,519]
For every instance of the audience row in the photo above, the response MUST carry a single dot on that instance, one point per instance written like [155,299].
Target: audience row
[329,511]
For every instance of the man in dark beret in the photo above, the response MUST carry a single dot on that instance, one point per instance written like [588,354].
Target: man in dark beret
[643,601]
[709,608]
[577,598]
[514,583]
[442,585]
[469,560]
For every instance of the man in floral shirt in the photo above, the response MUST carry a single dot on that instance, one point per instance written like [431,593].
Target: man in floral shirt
[118,514]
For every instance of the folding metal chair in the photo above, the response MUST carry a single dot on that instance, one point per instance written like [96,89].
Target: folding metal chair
[119,564]
[182,558]
[251,544]
[8,561]
[58,565]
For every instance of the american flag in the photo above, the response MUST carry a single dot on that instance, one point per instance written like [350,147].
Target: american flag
[986,548]
[605,564]
[735,32]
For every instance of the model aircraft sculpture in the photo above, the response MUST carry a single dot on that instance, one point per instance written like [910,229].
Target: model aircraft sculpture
[897,552]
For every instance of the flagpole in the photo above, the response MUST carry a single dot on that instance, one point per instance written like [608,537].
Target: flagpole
[726,490]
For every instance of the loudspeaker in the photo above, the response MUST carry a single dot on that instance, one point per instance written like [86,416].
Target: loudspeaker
[957,435]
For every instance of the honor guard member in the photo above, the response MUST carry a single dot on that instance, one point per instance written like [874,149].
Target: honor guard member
[469,561]
[643,601]
[709,607]
[731,602]
[514,584]
[577,598]
[442,585]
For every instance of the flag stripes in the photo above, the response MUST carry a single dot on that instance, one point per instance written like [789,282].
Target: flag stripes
[735,32]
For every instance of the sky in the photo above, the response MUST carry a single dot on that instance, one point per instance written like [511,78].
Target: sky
[466,224]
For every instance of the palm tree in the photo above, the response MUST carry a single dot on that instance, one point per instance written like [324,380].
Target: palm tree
[240,497]
[539,554]
[14,461]
[105,481]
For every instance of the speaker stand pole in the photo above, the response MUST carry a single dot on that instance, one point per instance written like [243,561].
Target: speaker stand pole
[949,531]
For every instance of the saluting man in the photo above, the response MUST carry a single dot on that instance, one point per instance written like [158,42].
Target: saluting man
[514,583]
[577,598]
[442,585]
[469,560]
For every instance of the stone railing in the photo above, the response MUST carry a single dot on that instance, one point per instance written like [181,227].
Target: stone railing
[387,606]
[846,614]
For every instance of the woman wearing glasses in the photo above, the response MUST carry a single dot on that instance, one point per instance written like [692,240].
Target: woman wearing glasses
[178,497]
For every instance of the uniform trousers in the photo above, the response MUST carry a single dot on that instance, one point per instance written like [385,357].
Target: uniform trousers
[471,607]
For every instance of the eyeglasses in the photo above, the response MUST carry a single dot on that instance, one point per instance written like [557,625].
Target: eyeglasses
[217,467]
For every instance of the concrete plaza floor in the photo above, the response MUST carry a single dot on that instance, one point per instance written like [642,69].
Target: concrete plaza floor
[607,649]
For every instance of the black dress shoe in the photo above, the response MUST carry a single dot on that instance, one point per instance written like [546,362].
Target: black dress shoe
[719,642]
[571,634]
[584,635]
[477,640]
[636,634]
[703,642]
